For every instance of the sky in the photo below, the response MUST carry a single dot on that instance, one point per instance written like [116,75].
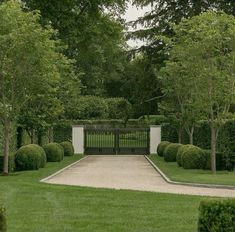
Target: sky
[132,14]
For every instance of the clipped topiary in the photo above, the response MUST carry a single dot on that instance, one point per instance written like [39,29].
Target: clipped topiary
[193,158]
[61,151]
[54,152]
[3,226]
[42,154]
[217,216]
[180,152]
[28,158]
[68,148]
[161,147]
[170,152]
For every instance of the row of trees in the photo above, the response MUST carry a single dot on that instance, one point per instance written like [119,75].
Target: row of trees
[199,76]
[32,69]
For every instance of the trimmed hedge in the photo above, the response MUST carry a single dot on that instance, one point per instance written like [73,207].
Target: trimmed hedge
[54,152]
[68,148]
[193,158]
[28,158]
[3,226]
[180,153]
[202,136]
[161,147]
[11,163]
[170,152]
[42,155]
[217,216]
[220,160]
[118,108]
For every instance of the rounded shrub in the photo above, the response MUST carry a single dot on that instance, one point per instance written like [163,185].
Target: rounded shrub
[193,158]
[161,147]
[28,158]
[180,152]
[68,148]
[42,154]
[61,151]
[54,152]
[170,152]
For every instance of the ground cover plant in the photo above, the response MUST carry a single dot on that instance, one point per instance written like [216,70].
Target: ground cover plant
[176,173]
[90,209]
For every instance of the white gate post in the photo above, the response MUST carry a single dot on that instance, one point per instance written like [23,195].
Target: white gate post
[78,139]
[155,138]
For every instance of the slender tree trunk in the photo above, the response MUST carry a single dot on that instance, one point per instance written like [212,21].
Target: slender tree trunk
[50,135]
[6,146]
[213,148]
[180,135]
[191,135]
[39,138]
[32,135]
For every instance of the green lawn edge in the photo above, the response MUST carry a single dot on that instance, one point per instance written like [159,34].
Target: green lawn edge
[196,176]
[35,206]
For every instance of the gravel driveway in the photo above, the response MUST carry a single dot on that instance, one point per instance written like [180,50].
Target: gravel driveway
[131,172]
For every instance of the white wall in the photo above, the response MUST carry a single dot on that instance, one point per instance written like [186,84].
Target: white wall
[78,139]
[155,138]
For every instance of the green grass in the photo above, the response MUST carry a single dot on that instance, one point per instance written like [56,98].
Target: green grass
[176,173]
[38,207]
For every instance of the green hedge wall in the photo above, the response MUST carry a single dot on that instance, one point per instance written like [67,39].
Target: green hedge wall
[217,216]
[11,163]
[63,129]
[169,133]
[226,138]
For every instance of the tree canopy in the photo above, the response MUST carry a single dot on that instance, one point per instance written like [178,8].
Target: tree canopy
[30,64]
[200,72]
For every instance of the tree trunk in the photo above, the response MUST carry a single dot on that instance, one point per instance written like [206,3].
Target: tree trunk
[6,146]
[32,135]
[50,135]
[39,137]
[191,135]
[180,135]
[213,148]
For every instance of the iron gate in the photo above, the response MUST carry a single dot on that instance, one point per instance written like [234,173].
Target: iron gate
[117,141]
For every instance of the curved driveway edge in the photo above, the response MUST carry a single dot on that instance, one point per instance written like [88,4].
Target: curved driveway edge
[217,186]
[130,172]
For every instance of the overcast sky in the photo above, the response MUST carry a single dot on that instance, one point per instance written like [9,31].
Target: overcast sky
[132,14]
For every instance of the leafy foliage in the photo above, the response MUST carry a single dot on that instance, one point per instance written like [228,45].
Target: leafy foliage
[28,158]
[180,153]
[193,158]
[68,148]
[54,152]
[118,108]
[94,38]
[203,52]
[171,151]
[42,155]
[88,107]
[30,63]
[161,147]
[217,215]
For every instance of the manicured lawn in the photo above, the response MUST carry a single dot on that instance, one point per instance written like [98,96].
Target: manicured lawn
[176,173]
[38,207]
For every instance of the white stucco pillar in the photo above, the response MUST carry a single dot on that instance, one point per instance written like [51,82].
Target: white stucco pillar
[155,138]
[78,139]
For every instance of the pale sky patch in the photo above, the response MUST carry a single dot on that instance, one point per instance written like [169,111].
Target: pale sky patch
[132,14]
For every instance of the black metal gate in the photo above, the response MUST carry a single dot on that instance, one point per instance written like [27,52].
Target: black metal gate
[117,141]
